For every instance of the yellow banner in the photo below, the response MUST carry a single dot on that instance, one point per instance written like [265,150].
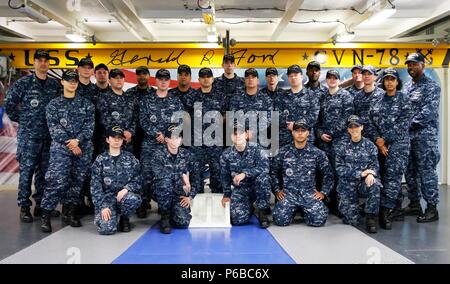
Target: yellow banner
[261,55]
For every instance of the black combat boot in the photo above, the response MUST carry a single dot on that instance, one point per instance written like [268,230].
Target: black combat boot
[37,212]
[46,225]
[74,220]
[25,215]
[263,220]
[124,224]
[65,214]
[371,226]
[55,213]
[431,214]
[385,218]
[413,209]
[397,214]
[164,225]
[141,212]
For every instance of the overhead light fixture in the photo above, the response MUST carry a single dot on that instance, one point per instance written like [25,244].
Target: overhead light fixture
[75,37]
[33,14]
[343,37]
[381,13]
[209,14]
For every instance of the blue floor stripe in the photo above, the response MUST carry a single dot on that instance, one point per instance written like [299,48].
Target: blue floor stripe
[246,244]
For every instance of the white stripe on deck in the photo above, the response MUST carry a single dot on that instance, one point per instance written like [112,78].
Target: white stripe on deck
[333,243]
[81,245]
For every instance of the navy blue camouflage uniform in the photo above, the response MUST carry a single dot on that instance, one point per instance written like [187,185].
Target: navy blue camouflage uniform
[292,107]
[25,103]
[117,110]
[334,112]
[167,172]
[138,93]
[294,172]
[272,94]
[320,91]
[255,186]
[362,102]
[391,117]
[109,176]
[229,87]
[421,175]
[256,104]
[185,97]
[68,118]
[353,158]
[155,114]
[207,154]
[98,135]
[353,90]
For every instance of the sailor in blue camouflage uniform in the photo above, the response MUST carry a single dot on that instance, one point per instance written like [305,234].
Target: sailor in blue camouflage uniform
[368,97]
[25,103]
[70,119]
[184,90]
[358,83]
[272,89]
[253,108]
[335,108]
[358,174]
[313,73]
[90,91]
[421,175]
[172,168]
[294,104]
[391,117]
[117,107]
[138,92]
[101,73]
[229,83]
[207,152]
[245,178]
[155,114]
[294,179]
[86,88]
[116,185]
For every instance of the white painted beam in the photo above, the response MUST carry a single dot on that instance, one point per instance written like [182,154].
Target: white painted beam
[125,14]
[291,10]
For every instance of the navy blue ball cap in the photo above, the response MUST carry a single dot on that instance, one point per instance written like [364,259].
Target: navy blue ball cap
[251,72]
[301,123]
[390,72]
[271,71]
[86,61]
[116,72]
[205,72]
[354,120]
[356,67]
[162,74]
[334,73]
[415,57]
[115,131]
[313,64]
[184,68]
[101,66]
[228,58]
[70,75]
[142,70]
[370,69]
[294,69]
[41,53]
